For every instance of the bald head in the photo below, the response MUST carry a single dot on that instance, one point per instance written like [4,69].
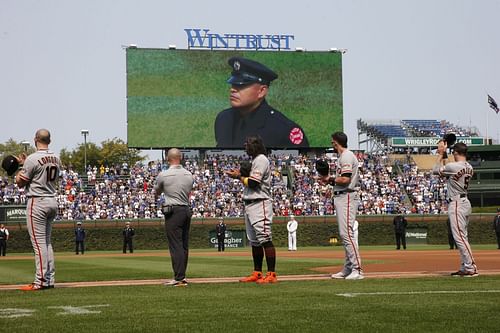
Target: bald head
[174,156]
[42,136]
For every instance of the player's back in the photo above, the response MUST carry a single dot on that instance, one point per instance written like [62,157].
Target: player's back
[41,170]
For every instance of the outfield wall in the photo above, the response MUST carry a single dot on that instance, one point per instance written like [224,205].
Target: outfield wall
[312,231]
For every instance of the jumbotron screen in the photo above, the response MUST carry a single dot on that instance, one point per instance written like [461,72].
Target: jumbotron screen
[181,98]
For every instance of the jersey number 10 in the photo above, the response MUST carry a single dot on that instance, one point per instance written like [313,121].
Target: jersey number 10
[51,172]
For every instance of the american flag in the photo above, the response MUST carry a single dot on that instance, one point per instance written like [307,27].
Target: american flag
[493,104]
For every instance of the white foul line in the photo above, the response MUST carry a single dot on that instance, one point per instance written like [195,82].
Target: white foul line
[419,292]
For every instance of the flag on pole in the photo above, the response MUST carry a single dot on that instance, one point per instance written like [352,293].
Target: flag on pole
[493,104]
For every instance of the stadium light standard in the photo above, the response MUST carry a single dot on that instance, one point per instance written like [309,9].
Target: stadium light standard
[85,133]
[25,144]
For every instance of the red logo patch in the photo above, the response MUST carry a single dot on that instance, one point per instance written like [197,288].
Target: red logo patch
[296,136]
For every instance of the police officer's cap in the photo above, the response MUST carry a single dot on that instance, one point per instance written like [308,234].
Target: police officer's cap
[246,71]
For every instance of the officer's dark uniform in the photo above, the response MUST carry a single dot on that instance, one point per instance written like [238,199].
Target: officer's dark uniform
[275,129]
[496,226]
[79,239]
[128,234]
[3,242]
[221,235]
[400,224]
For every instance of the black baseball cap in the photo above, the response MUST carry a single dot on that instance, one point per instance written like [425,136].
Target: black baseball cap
[246,71]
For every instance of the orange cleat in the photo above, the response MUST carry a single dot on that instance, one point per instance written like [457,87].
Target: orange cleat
[269,278]
[254,277]
[32,287]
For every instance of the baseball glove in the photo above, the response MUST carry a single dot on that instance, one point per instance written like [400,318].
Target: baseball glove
[245,167]
[10,164]
[323,167]
[450,139]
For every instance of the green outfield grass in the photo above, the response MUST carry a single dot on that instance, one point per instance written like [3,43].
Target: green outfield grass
[442,304]
[306,306]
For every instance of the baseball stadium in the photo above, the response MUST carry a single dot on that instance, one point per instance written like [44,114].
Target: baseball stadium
[173,98]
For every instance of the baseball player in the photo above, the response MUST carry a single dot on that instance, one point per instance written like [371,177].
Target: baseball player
[459,174]
[258,210]
[291,226]
[346,201]
[39,174]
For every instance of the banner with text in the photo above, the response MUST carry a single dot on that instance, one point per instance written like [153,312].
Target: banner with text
[432,141]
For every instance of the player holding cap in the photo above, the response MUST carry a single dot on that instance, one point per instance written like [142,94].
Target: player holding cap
[39,175]
[346,203]
[250,115]
[459,174]
[258,211]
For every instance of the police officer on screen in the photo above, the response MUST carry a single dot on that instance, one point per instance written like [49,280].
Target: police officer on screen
[250,115]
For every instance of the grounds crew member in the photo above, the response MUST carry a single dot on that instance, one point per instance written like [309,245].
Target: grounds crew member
[250,115]
[176,183]
[258,210]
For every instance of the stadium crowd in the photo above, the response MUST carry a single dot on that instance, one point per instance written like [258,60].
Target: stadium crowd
[123,192]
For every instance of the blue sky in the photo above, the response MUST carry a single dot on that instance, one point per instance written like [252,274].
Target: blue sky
[62,63]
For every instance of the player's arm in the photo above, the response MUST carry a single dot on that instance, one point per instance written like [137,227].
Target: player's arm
[344,179]
[439,166]
[23,177]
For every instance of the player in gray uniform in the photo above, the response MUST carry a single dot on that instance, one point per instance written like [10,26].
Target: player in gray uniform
[258,211]
[39,174]
[346,201]
[459,174]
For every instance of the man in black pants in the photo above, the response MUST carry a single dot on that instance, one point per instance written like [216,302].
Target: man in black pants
[400,224]
[221,234]
[128,234]
[496,226]
[4,236]
[79,238]
[176,183]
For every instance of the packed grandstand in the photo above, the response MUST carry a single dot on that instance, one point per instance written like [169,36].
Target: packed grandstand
[120,192]
[388,186]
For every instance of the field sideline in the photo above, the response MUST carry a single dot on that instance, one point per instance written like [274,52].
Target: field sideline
[304,300]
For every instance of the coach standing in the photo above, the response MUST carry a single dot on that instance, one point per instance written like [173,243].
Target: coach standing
[39,175]
[176,183]
[346,201]
[459,174]
[400,225]
[496,226]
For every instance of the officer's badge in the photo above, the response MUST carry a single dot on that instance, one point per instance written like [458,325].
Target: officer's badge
[236,65]
[296,136]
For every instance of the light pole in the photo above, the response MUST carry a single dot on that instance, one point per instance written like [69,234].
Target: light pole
[26,144]
[85,133]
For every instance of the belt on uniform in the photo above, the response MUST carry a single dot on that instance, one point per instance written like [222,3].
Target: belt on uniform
[342,192]
[461,196]
[251,201]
